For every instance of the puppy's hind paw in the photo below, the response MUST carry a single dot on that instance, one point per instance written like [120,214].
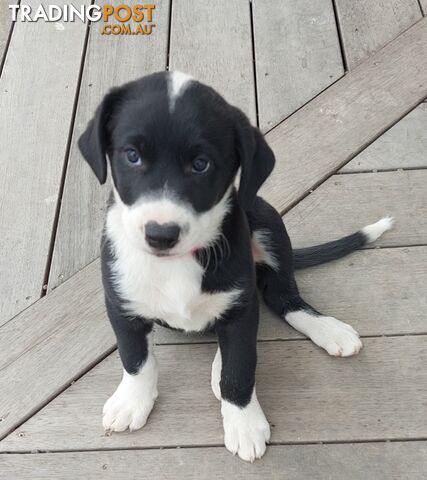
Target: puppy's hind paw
[336,337]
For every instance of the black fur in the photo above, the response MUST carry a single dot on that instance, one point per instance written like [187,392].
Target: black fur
[326,252]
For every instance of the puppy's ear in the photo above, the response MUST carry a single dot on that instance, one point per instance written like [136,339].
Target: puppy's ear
[94,141]
[256,160]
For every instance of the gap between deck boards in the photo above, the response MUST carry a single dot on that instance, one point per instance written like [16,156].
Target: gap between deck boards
[210,446]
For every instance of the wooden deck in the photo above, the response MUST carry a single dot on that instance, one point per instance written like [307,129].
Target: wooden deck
[338,88]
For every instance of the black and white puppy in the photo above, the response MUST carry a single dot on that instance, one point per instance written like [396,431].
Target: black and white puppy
[183,248]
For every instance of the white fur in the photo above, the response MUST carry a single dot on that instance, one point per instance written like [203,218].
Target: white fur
[246,430]
[374,231]
[216,374]
[337,338]
[131,404]
[165,288]
[178,82]
[262,250]
[127,223]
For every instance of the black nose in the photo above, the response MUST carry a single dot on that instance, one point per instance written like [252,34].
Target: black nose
[162,236]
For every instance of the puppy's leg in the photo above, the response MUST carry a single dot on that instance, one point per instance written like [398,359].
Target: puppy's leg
[216,374]
[246,430]
[275,275]
[132,402]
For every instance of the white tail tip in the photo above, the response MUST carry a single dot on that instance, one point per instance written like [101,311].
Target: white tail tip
[374,231]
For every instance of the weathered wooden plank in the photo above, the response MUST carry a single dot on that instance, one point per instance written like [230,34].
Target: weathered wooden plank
[403,146]
[37,100]
[380,393]
[297,55]
[329,131]
[366,26]
[360,461]
[364,290]
[5,26]
[110,61]
[49,344]
[345,203]
[213,43]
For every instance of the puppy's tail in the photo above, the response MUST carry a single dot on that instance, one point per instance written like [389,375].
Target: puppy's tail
[326,252]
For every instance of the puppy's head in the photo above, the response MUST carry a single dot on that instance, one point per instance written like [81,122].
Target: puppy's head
[174,147]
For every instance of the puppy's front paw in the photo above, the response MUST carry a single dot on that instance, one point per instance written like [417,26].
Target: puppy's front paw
[121,413]
[246,430]
[129,406]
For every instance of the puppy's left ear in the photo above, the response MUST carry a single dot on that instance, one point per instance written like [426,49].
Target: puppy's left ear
[94,141]
[256,160]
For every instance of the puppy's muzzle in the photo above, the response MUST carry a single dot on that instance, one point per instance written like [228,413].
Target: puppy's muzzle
[162,236]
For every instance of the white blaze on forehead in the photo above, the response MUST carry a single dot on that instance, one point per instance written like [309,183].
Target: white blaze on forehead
[177,83]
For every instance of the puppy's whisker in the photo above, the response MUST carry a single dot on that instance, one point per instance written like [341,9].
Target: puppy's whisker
[219,249]
[208,258]
[205,256]
[226,244]
[215,256]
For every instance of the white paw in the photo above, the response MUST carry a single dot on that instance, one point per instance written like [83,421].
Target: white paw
[216,374]
[121,413]
[246,430]
[130,405]
[336,337]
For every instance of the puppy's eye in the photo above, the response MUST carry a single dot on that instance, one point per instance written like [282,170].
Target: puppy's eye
[200,165]
[133,157]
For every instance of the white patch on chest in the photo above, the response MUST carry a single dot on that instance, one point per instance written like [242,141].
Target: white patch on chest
[163,288]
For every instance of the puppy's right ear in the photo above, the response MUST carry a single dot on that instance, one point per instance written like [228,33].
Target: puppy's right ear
[94,141]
